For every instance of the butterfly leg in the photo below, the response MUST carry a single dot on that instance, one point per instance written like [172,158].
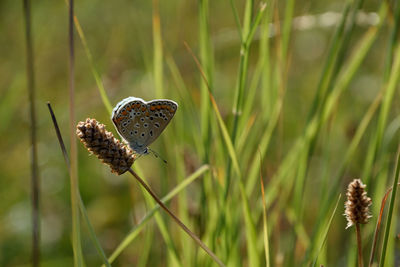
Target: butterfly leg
[157,155]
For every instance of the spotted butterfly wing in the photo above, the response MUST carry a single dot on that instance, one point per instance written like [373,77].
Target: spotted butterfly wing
[161,111]
[125,115]
[139,122]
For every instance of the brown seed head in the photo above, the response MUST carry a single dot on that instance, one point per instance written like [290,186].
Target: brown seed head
[357,204]
[105,146]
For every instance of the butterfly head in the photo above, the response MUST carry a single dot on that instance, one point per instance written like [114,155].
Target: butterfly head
[142,150]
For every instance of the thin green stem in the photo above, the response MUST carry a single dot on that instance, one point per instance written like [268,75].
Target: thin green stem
[359,246]
[206,57]
[157,51]
[76,236]
[183,226]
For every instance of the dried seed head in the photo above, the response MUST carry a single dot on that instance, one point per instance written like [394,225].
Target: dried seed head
[105,146]
[357,204]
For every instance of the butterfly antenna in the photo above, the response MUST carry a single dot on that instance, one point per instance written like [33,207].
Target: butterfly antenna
[157,155]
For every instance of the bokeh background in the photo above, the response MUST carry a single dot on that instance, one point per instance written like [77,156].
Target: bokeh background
[119,35]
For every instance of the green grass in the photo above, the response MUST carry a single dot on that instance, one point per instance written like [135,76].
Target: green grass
[307,105]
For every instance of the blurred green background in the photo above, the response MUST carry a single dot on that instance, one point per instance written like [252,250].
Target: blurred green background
[120,37]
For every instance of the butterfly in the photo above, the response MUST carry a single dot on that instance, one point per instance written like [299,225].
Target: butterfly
[139,122]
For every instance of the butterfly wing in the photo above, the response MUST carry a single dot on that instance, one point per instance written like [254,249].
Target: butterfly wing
[128,119]
[140,123]
[160,113]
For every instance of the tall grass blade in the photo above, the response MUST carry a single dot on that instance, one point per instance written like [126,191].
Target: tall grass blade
[226,137]
[391,207]
[35,179]
[206,59]
[76,232]
[242,72]
[378,226]
[206,120]
[95,73]
[287,26]
[324,237]
[248,31]
[237,19]
[265,225]
[265,141]
[393,41]
[147,246]
[157,51]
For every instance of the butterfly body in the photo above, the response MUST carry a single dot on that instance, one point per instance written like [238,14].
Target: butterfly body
[139,122]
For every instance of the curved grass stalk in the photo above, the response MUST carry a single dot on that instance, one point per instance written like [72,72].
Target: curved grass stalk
[138,228]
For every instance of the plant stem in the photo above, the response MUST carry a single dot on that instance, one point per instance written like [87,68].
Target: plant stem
[35,184]
[76,236]
[390,211]
[378,227]
[190,233]
[157,51]
[359,246]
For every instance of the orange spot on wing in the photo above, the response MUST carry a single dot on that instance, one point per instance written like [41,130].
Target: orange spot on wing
[152,108]
[147,113]
[164,106]
[124,112]
[143,108]
[158,106]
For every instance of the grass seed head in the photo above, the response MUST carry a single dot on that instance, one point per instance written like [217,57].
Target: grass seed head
[105,146]
[357,204]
